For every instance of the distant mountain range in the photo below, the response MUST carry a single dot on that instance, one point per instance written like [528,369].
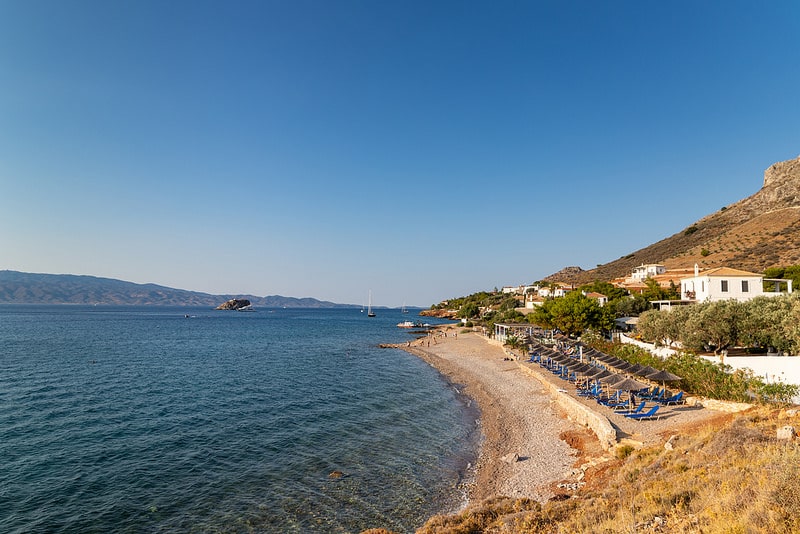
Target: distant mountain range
[32,288]
[754,234]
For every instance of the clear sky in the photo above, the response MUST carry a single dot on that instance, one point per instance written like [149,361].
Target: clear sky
[420,149]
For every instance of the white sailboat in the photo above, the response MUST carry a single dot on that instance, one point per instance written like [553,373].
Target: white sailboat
[370,313]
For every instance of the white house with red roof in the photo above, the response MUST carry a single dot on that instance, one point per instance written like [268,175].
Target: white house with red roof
[725,283]
[601,299]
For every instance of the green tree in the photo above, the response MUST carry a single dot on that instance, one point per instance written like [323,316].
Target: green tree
[572,314]
[764,323]
[543,315]
[791,323]
[631,306]
[654,291]
[664,327]
[714,323]
[605,288]
[469,310]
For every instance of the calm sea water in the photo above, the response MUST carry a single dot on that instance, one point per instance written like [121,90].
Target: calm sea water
[144,420]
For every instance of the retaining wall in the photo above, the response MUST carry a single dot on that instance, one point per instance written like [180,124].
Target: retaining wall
[577,412]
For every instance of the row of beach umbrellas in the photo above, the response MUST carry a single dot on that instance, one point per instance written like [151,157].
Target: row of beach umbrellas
[615,380]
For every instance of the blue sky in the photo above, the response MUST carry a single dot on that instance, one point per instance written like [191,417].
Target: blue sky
[423,150]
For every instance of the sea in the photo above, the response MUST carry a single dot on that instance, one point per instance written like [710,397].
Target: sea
[174,419]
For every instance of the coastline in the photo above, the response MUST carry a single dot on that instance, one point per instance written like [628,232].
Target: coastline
[530,447]
[524,449]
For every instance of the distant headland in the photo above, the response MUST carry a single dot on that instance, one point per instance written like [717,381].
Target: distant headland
[35,288]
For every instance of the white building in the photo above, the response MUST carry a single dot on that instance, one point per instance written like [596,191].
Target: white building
[601,299]
[724,283]
[643,272]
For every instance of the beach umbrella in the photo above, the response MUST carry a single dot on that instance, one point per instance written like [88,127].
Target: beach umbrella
[580,368]
[635,368]
[623,366]
[611,379]
[646,371]
[598,373]
[663,377]
[629,384]
[607,358]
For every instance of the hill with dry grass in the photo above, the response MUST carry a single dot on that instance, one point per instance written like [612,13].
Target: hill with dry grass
[730,475]
[758,232]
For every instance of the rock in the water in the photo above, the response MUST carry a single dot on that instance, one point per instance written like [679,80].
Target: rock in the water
[234,304]
[336,474]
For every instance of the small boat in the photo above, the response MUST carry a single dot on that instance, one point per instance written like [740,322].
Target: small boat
[409,324]
[370,313]
[248,308]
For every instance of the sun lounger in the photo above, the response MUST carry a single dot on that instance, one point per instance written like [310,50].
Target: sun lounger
[650,394]
[675,399]
[650,414]
[608,401]
[633,412]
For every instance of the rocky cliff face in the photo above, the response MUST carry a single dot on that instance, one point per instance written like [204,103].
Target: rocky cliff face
[567,274]
[781,182]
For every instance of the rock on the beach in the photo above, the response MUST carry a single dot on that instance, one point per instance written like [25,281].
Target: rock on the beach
[511,458]
[669,444]
[786,433]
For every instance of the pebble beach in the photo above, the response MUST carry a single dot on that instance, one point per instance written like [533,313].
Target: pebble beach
[527,447]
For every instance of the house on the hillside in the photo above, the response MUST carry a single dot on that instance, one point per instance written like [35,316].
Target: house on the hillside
[725,283]
[650,270]
[635,284]
[518,290]
[601,299]
[533,300]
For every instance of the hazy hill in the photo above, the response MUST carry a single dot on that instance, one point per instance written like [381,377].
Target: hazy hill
[31,288]
[756,233]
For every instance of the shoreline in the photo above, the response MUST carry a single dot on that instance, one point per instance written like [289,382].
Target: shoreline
[531,447]
[528,446]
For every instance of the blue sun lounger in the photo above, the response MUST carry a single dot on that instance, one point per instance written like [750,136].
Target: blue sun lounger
[675,399]
[637,410]
[650,414]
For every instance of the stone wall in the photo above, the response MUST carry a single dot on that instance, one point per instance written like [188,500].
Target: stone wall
[577,412]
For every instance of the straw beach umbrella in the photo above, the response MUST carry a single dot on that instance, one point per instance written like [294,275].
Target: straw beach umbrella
[646,371]
[663,377]
[628,385]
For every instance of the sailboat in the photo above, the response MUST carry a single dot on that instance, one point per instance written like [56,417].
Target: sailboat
[370,313]
[403,309]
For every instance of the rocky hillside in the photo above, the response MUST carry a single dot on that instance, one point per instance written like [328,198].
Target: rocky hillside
[756,233]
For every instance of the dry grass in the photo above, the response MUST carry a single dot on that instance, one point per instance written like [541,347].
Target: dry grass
[738,237]
[729,477]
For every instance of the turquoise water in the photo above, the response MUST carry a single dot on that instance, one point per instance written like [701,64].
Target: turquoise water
[120,419]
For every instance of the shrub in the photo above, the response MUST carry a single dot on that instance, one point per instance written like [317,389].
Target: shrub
[689,231]
[624,451]
[705,252]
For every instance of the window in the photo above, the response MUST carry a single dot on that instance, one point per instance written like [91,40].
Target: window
[724,286]
[745,286]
